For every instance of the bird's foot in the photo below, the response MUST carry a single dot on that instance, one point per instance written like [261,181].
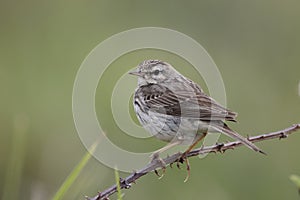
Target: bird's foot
[181,159]
[156,159]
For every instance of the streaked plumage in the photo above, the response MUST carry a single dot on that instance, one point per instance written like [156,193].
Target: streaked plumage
[174,108]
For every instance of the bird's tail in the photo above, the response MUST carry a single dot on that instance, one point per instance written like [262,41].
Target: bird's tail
[227,131]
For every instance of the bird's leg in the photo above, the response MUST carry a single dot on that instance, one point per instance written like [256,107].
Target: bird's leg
[155,157]
[183,156]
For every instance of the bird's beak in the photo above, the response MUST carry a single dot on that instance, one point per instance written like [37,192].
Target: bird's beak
[136,73]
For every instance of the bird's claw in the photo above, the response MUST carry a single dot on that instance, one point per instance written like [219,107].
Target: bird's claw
[181,159]
[156,159]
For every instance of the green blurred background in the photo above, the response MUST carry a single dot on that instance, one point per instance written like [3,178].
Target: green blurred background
[255,44]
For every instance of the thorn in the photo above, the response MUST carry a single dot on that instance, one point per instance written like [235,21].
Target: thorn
[283,135]
[127,186]
[124,183]
[219,147]
[134,172]
[262,152]
[248,137]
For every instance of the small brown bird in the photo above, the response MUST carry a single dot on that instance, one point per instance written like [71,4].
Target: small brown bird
[176,110]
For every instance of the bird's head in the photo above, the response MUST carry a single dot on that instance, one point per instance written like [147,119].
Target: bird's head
[154,72]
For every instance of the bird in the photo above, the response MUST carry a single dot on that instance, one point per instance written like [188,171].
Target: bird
[176,110]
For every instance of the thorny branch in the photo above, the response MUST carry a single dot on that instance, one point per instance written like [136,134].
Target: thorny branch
[127,182]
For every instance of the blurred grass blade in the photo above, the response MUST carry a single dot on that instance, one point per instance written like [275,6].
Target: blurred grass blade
[75,173]
[117,177]
[13,175]
[296,179]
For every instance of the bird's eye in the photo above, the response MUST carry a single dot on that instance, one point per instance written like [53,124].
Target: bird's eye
[156,72]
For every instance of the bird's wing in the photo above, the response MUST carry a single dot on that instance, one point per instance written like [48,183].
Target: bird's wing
[183,103]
